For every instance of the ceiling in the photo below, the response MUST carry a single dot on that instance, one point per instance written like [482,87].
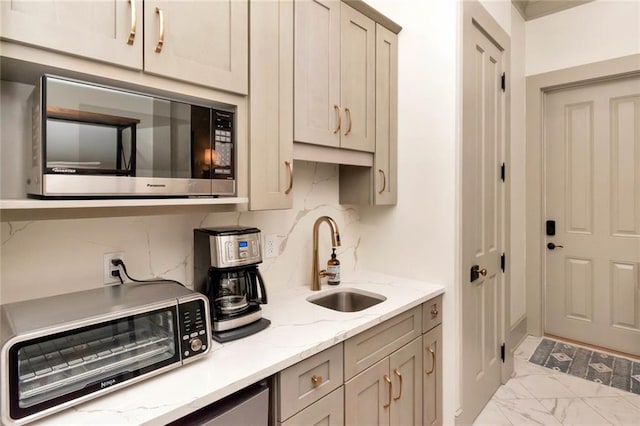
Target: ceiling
[531,9]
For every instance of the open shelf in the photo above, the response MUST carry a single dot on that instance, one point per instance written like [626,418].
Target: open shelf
[30,204]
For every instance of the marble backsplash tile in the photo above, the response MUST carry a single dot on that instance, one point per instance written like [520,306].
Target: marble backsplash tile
[48,257]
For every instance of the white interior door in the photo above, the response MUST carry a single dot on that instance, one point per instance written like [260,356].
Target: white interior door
[592,154]
[482,222]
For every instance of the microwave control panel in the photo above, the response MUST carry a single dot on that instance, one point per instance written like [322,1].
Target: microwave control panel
[223,141]
[194,328]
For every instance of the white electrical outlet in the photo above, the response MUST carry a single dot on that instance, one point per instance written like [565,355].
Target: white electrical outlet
[271,246]
[109,267]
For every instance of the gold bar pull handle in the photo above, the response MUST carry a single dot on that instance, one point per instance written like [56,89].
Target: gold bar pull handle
[161,35]
[348,112]
[388,380]
[397,372]
[433,360]
[134,20]
[290,167]
[384,181]
[339,114]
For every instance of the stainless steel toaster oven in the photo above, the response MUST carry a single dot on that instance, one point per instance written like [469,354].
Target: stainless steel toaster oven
[59,351]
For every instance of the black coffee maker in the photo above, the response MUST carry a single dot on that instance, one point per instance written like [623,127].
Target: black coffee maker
[226,270]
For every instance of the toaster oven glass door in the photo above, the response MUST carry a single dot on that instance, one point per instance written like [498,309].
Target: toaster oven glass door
[64,366]
[96,130]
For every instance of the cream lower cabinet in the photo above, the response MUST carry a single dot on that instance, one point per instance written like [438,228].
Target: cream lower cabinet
[389,392]
[383,368]
[310,392]
[391,375]
[271,105]
[432,361]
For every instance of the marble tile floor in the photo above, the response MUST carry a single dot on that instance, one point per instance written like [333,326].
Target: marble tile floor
[540,396]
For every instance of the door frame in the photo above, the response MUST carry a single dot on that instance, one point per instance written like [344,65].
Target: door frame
[475,15]
[537,87]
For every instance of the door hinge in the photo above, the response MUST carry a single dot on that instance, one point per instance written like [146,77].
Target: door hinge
[503,172]
[503,262]
[503,82]
[503,349]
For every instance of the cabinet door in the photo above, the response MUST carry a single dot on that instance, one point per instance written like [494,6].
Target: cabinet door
[432,376]
[376,343]
[317,72]
[109,31]
[385,185]
[367,396]
[271,105]
[328,411]
[203,42]
[357,80]
[406,374]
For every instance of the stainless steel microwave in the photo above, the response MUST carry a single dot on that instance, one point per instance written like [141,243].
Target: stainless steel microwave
[62,350]
[92,141]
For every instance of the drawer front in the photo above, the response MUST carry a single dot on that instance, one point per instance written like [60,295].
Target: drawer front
[369,347]
[431,313]
[307,381]
[328,411]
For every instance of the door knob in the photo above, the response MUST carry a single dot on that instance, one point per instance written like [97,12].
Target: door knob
[476,272]
[552,246]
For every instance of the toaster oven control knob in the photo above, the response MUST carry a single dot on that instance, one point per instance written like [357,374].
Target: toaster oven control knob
[196,345]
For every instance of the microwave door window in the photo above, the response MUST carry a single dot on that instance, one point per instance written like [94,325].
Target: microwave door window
[91,129]
[61,366]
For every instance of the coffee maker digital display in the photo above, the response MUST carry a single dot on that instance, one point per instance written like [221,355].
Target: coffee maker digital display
[226,271]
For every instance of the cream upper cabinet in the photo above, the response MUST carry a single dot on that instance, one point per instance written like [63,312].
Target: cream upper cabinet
[203,42]
[385,185]
[109,31]
[334,75]
[317,114]
[357,80]
[199,42]
[271,105]
[378,185]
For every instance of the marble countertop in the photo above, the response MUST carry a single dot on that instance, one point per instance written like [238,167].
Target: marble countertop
[298,330]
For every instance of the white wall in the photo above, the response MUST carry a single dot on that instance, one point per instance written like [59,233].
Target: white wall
[500,10]
[417,238]
[592,32]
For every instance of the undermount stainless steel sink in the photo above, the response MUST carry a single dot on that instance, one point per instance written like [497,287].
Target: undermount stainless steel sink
[347,300]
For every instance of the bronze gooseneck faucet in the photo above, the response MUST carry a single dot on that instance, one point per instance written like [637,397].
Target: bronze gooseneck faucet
[335,240]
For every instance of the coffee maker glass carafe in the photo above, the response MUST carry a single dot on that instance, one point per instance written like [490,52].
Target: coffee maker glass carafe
[233,290]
